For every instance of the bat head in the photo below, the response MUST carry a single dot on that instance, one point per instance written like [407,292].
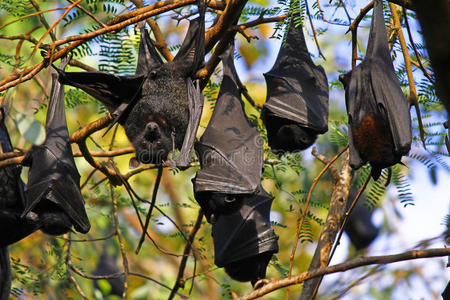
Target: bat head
[157,123]
[286,135]
[53,219]
[249,269]
[214,203]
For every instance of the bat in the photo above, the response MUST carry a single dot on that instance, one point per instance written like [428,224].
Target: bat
[160,106]
[5,273]
[12,200]
[379,129]
[360,228]
[12,197]
[244,241]
[106,266]
[446,293]
[228,185]
[296,108]
[230,150]
[53,189]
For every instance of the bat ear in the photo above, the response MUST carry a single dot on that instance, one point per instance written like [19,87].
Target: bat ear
[192,51]
[378,43]
[345,78]
[148,56]
[133,163]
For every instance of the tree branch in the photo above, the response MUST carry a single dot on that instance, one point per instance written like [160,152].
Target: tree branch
[273,285]
[336,212]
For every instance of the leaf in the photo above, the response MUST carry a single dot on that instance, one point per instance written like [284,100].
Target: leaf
[30,128]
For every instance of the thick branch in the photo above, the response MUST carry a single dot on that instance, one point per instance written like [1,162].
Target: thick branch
[334,220]
[114,25]
[160,41]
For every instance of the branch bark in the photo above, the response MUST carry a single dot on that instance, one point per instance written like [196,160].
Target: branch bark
[334,220]
[273,285]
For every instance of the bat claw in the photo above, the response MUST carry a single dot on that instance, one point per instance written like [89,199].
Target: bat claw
[260,283]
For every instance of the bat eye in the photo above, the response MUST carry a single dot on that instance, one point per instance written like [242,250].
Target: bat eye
[153,74]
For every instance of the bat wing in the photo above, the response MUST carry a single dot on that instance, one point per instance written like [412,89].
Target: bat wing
[5,273]
[297,89]
[245,234]
[192,51]
[386,87]
[148,57]
[230,150]
[53,175]
[115,92]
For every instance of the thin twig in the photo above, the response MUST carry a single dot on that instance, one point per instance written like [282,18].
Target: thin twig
[419,60]
[119,239]
[69,269]
[412,87]
[314,31]
[89,14]
[43,20]
[32,15]
[353,28]
[150,209]
[305,210]
[179,282]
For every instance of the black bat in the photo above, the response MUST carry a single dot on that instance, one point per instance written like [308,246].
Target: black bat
[378,113]
[228,185]
[160,106]
[53,188]
[5,273]
[446,293]
[360,229]
[107,265]
[12,197]
[244,241]
[230,150]
[12,201]
[296,108]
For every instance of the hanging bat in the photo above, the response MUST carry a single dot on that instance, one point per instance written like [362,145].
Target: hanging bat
[360,228]
[5,273]
[160,106]
[296,108]
[244,241]
[446,293]
[378,112]
[107,266]
[53,188]
[230,150]
[228,185]
[12,198]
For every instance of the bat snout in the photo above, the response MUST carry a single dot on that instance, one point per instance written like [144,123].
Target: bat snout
[152,132]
